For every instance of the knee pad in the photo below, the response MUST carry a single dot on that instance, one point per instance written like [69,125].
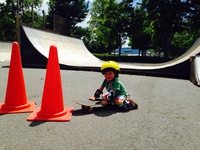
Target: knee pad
[119,100]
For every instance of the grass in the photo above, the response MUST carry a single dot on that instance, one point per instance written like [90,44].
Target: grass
[137,59]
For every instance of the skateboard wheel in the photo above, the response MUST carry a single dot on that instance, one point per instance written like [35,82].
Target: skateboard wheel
[90,110]
[87,108]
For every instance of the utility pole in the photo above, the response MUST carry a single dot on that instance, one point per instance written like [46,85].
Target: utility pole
[18,23]
[43,19]
[32,14]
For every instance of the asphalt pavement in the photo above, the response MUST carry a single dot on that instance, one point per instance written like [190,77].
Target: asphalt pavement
[168,117]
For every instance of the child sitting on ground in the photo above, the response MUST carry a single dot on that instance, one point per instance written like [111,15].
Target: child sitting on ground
[116,90]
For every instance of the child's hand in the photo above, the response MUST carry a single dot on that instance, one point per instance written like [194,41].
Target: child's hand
[92,98]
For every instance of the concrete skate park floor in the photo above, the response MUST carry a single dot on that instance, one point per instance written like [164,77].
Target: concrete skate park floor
[168,116]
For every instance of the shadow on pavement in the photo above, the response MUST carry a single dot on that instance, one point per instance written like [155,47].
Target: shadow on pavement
[36,123]
[105,111]
[5,67]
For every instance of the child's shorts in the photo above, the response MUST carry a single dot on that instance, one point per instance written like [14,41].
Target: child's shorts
[118,100]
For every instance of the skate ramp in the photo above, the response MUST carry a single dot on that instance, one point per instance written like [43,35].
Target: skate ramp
[71,51]
[5,51]
[73,54]
[195,70]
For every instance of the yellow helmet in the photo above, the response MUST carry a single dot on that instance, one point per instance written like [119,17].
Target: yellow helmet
[110,65]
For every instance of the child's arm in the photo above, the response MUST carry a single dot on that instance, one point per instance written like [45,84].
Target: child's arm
[97,93]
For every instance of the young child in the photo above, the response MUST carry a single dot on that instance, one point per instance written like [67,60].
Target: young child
[116,90]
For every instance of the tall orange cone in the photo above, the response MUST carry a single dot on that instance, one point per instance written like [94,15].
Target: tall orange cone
[15,99]
[52,107]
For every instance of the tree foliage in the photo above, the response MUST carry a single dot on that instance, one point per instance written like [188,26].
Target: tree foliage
[7,21]
[74,11]
[140,30]
[170,26]
[100,24]
[8,11]
[170,18]
[109,23]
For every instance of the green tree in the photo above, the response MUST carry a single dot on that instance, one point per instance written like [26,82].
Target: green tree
[170,18]
[7,21]
[124,20]
[74,11]
[84,34]
[140,30]
[109,23]
[101,24]
[29,12]
[8,12]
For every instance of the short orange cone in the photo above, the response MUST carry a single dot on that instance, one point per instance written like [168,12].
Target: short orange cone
[52,107]
[16,100]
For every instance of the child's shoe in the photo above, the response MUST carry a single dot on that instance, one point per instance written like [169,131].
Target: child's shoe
[128,105]
[132,104]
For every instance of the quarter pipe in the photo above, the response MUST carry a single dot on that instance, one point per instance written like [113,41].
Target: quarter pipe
[73,54]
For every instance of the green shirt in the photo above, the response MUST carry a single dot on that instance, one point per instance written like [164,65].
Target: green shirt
[115,85]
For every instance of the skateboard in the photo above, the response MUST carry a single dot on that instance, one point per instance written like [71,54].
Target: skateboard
[88,105]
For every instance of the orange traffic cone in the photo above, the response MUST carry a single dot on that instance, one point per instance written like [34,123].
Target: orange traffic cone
[52,107]
[16,100]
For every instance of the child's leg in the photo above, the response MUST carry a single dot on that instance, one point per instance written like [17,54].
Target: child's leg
[119,100]
[105,101]
[123,103]
[105,95]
